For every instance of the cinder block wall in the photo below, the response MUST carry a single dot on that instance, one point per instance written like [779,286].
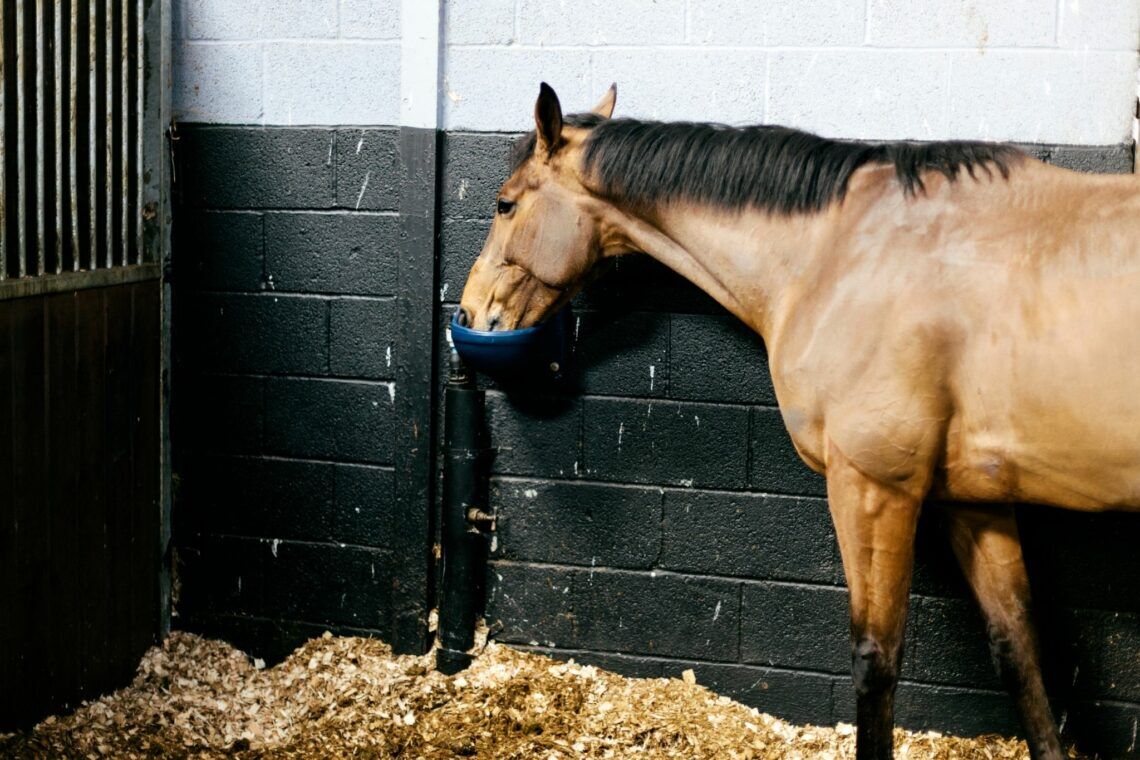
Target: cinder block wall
[653,516]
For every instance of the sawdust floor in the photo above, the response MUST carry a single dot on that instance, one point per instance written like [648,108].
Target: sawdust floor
[350,697]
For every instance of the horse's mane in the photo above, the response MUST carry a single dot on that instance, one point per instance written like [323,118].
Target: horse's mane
[773,168]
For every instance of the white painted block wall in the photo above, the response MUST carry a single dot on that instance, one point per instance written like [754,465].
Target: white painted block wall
[1030,70]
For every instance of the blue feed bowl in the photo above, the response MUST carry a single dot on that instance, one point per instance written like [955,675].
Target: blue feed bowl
[513,354]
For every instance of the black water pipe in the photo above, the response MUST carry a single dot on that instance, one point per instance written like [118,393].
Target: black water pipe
[465,521]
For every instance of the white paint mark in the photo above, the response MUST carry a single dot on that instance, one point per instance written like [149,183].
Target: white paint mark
[375,404]
[359,145]
[575,468]
[462,189]
[577,324]
[697,419]
[530,493]
[273,546]
[388,356]
[392,392]
[343,597]
[328,161]
[1132,746]
[1064,720]
[716,612]
[356,509]
[239,584]
[621,429]
[373,569]
[593,564]
[649,411]
[687,483]
[443,290]
[494,542]
[360,198]
[652,371]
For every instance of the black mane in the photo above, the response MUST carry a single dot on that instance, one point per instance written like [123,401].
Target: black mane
[772,168]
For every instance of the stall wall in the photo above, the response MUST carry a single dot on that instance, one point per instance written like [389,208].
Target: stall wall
[653,516]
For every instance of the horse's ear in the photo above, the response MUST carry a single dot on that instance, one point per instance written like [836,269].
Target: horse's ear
[547,121]
[605,106]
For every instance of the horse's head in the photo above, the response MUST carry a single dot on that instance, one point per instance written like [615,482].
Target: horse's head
[548,231]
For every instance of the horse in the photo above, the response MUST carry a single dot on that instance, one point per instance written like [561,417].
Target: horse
[944,320]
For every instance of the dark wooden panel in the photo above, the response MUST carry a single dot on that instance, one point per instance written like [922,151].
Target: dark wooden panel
[60,453]
[8,528]
[94,585]
[36,669]
[145,409]
[79,494]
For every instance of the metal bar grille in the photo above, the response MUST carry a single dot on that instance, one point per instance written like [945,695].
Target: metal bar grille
[71,140]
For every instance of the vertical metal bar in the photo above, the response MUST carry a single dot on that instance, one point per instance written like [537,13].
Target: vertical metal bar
[41,128]
[124,126]
[21,157]
[92,141]
[57,18]
[109,131]
[3,150]
[73,133]
[140,62]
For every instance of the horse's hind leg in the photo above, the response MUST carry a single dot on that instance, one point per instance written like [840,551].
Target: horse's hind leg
[875,525]
[986,542]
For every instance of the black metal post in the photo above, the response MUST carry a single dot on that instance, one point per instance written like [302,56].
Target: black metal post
[465,522]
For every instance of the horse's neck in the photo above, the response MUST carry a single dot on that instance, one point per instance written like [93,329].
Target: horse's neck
[748,261]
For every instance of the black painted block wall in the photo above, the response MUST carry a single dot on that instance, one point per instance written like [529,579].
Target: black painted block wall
[652,514]
[654,517]
[286,356]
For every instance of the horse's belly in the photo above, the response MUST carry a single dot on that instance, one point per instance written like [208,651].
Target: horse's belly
[1051,412]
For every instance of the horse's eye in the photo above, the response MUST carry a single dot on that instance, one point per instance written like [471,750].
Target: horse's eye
[505,207]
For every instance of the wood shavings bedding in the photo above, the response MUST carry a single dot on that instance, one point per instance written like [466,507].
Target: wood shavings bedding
[351,697]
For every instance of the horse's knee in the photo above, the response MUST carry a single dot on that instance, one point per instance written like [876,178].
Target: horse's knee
[873,669]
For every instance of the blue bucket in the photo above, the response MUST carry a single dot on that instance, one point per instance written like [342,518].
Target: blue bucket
[539,351]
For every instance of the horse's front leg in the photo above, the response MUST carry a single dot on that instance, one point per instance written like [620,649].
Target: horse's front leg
[988,548]
[875,524]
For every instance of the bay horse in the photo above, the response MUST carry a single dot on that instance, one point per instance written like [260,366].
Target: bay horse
[953,320]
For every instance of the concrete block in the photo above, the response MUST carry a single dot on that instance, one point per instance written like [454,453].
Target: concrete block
[220,83]
[221,414]
[362,338]
[622,353]
[330,419]
[479,22]
[259,333]
[577,523]
[601,22]
[668,443]
[474,168]
[218,250]
[370,19]
[1081,98]
[979,24]
[535,435]
[255,168]
[862,94]
[331,253]
[718,358]
[800,23]
[795,626]
[368,171]
[1108,25]
[749,535]
[332,83]
[685,83]
[657,614]
[534,605]
[495,88]
[792,695]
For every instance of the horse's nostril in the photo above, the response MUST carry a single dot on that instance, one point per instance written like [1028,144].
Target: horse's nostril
[461,317]
[494,323]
